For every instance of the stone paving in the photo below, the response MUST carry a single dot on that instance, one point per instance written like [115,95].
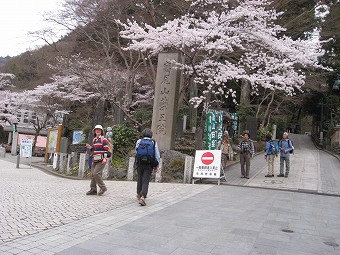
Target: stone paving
[46,214]
[33,201]
[312,170]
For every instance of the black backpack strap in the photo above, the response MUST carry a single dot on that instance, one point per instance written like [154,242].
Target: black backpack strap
[290,145]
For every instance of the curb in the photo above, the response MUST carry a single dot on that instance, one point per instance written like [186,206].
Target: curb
[51,172]
[327,151]
[310,192]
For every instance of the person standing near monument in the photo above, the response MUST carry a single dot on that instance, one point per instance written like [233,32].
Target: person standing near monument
[286,147]
[272,151]
[246,150]
[224,146]
[100,150]
[147,159]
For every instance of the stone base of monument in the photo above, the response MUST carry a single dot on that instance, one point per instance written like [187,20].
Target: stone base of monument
[82,165]
[131,169]
[69,164]
[62,163]
[188,169]
[2,152]
[106,170]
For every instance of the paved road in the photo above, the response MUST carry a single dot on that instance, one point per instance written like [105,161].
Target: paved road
[32,201]
[312,170]
[218,220]
[45,214]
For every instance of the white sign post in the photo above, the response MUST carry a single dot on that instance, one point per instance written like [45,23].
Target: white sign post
[207,164]
[26,148]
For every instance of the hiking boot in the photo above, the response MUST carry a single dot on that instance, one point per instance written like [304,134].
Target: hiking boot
[91,192]
[142,201]
[247,177]
[280,175]
[102,191]
[286,175]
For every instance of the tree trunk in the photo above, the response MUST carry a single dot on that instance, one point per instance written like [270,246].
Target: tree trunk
[266,114]
[98,116]
[118,112]
[245,100]
[192,109]
[245,92]
[200,128]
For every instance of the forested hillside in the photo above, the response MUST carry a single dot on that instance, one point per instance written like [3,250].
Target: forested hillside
[94,55]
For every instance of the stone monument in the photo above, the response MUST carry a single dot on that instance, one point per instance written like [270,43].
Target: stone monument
[164,116]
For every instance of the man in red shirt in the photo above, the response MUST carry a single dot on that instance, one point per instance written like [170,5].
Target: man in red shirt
[99,148]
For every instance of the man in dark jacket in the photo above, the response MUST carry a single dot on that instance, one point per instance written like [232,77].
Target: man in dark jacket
[145,163]
[246,150]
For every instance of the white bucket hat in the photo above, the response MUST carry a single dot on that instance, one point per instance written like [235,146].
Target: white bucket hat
[99,127]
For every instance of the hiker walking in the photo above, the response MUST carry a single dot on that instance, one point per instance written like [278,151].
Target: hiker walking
[272,151]
[286,147]
[246,150]
[224,146]
[147,159]
[100,151]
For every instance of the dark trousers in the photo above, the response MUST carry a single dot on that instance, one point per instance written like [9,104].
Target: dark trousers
[144,174]
[245,160]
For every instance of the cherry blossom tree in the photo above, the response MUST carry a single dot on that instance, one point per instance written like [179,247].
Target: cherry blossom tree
[93,77]
[6,98]
[48,102]
[53,100]
[6,80]
[223,41]
[94,21]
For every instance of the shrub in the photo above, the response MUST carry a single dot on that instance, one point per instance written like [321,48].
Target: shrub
[123,138]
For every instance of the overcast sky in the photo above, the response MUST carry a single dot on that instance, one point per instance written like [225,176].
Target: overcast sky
[17,18]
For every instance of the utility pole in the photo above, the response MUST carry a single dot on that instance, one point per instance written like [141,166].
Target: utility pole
[321,123]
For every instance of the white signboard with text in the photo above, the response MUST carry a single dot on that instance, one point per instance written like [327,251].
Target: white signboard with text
[26,147]
[207,164]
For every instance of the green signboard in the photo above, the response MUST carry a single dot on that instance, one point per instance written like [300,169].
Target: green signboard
[214,129]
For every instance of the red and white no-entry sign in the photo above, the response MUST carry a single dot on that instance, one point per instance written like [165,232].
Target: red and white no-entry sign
[207,164]
[207,158]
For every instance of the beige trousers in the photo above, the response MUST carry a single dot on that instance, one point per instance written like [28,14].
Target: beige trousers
[271,159]
[96,175]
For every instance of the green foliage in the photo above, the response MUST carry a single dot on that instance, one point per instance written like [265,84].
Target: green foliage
[183,111]
[123,138]
[118,162]
[74,170]
[261,134]
[143,116]
[243,111]
[296,12]
[86,131]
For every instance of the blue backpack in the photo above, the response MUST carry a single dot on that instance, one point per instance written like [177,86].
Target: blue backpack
[274,148]
[146,152]
[290,145]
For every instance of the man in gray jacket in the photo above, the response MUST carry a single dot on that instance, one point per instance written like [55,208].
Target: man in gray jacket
[285,147]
